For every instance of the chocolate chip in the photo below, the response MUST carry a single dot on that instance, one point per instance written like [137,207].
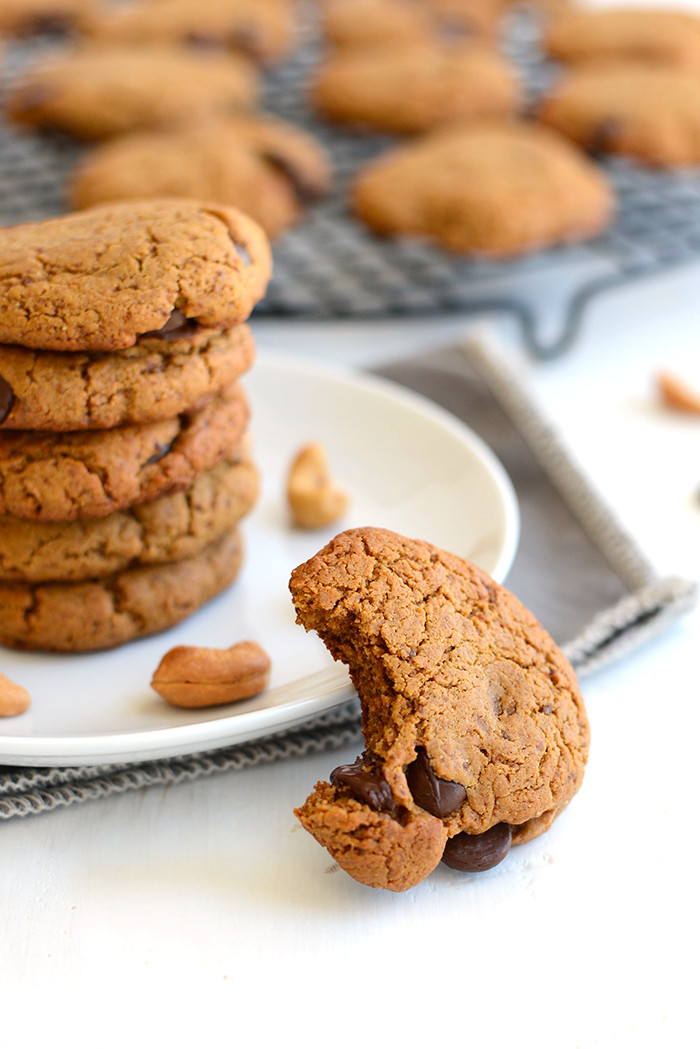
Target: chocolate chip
[161,450]
[437,796]
[7,399]
[604,134]
[176,327]
[365,785]
[478,852]
[305,188]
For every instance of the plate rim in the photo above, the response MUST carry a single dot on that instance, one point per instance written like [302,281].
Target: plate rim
[200,737]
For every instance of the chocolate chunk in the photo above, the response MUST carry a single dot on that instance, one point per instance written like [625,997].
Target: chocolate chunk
[160,452]
[176,327]
[478,852]
[7,399]
[437,796]
[604,134]
[305,189]
[365,785]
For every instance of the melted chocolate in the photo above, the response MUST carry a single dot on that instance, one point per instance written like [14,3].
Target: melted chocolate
[7,399]
[176,327]
[437,796]
[365,785]
[478,852]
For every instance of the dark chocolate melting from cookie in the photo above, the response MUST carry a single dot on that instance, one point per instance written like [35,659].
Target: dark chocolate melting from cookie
[439,797]
[7,399]
[365,785]
[478,852]
[177,326]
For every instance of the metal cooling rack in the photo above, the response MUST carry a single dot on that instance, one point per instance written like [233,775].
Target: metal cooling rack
[330,266]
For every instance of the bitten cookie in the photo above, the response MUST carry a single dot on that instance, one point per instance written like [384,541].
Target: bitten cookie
[24,17]
[268,168]
[167,529]
[97,91]
[264,30]
[91,473]
[644,111]
[82,617]
[641,34]
[158,378]
[475,730]
[491,190]
[103,278]
[412,88]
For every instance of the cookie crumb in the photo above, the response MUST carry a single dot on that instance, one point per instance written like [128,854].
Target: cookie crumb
[14,699]
[675,393]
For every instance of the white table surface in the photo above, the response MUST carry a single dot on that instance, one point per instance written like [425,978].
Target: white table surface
[205,912]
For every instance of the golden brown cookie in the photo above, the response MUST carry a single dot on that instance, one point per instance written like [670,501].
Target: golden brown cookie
[639,34]
[82,617]
[167,529]
[23,17]
[475,730]
[97,90]
[407,89]
[492,190]
[268,168]
[264,29]
[648,112]
[102,279]
[156,379]
[92,473]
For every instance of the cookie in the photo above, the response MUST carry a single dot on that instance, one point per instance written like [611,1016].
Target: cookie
[92,473]
[639,34]
[97,91]
[167,529]
[490,190]
[104,613]
[264,30]
[24,17]
[153,380]
[103,278]
[269,169]
[475,730]
[648,112]
[408,89]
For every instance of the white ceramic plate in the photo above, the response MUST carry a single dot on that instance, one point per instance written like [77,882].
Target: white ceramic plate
[408,465]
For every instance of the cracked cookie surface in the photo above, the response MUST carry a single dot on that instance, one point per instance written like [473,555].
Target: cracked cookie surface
[494,190]
[96,91]
[101,279]
[156,379]
[60,477]
[471,714]
[166,529]
[82,617]
[268,168]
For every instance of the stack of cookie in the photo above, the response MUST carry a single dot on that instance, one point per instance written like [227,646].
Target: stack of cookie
[124,465]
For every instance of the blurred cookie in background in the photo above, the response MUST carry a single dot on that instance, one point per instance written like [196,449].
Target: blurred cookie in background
[25,17]
[411,88]
[96,91]
[495,190]
[645,111]
[268,168]
[263,29]
[358,23]
[647,34]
